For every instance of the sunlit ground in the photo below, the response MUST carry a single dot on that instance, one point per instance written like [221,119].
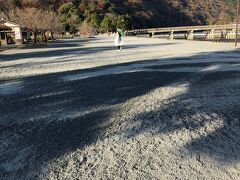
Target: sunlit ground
[157,109]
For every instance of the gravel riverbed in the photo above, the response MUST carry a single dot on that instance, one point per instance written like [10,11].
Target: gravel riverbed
[157,109]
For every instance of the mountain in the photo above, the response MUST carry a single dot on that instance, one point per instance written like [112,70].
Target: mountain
[160,13]
[136,13]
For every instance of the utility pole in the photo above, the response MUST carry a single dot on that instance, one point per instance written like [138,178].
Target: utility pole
[236,36]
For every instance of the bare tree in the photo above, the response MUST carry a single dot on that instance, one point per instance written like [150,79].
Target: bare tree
[5,7]
[86,29]
[52,23]
[37,20]
[29,3]
[31,18]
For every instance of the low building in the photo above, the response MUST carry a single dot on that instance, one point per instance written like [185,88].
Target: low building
[13,33]
[4,34]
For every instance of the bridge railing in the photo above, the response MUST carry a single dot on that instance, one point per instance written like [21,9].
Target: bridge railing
[186,28]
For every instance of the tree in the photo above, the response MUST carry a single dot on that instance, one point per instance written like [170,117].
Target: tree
[94,19]
[52,23]
[107,24]
[101,4]
[31,18]
[69,16]
[122,22]
[92,5]
[6,6]
[73,22]
[86,29]
[29,3]
[82,7]
[76,2]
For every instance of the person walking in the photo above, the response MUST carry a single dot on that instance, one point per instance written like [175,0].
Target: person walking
[119,39]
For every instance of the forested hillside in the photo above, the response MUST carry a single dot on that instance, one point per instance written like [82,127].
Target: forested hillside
[107,14]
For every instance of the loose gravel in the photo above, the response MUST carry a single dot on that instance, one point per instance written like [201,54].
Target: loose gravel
[158,109]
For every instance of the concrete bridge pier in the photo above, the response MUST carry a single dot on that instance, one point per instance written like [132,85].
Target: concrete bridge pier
[210,35]
[230,34]
[171,35]
[223,34]
[227,34]
[152,34]
[190,35]
[209,32]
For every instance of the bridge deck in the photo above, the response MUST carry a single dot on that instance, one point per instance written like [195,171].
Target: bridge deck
[185,28]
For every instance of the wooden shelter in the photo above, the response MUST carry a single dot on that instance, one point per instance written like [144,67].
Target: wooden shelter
[4,31]
[13,33]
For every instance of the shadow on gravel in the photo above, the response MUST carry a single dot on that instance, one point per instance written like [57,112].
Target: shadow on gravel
[212,98]
[74,49]
[190,65]
[56,117]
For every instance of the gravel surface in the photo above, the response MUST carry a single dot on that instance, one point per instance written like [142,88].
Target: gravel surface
[157,109]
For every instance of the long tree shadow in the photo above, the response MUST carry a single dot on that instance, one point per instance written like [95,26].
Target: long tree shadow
[56,117]
[212,99]
[73,49]
[70,47]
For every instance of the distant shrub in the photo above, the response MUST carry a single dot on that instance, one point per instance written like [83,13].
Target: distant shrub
[86,30]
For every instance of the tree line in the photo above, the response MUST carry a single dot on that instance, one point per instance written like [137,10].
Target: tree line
[100,15]
[41,16]
[27,13]
[106,15]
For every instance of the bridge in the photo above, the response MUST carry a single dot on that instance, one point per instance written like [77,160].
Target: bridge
[209,32]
